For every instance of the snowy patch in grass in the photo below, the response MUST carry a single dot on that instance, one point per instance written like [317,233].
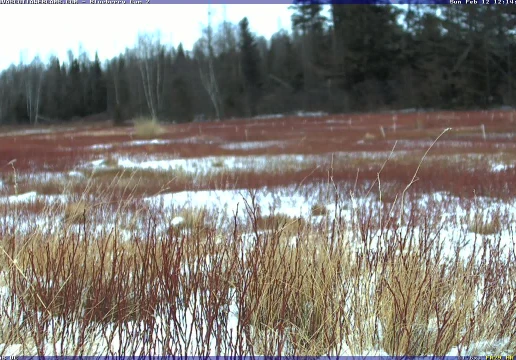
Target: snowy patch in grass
[284,201]
[412,144]
[253,145]
[269,116]
[335,121]
[177,220]
[33,196]
[38,177]
[260,163]
[311,113]
[103,163]
[76,174]
[297,113]
[148,142]
[101,147]
[206,165]
[507,136]
[500,167]
[27,132]
[97,163]
[131,143]
[11,350]
[22,197]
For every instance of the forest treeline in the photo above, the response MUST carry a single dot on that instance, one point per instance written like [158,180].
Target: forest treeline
[359,58]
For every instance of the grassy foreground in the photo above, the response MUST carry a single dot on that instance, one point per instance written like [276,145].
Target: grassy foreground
[122,278]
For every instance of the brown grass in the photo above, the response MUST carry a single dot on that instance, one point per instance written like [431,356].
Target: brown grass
[319,210]
[294,287]
[147,128]
[481,226]
[344,286]
[75,212]
[368,136]
[298,289]
[279,221]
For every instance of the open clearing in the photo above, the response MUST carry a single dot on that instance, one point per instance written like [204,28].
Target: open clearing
[314,235]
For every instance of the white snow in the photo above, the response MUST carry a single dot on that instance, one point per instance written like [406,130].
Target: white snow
[500,167]
[269,116]
[132,143]
[101,147]
[177,220]
[76,174]
[253,145]
[311,113]
[202,166]
[277,201]
[97,163]
[27,132]
[300,113]
[262,163]
[22,197]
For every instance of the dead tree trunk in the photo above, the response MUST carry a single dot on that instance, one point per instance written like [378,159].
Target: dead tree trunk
[210,84]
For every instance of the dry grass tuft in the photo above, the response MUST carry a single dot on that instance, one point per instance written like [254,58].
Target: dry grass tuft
[368,136]
[8,178]
[416,292]
[278,221]
[319,210]
[75,212]
[420,123]
[295,295]
[193,218]
[482,226]
[147,128]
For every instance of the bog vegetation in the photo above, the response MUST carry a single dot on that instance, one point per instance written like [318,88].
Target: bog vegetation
[103,266]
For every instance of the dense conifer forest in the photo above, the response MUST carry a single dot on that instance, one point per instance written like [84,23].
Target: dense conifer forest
[359,58]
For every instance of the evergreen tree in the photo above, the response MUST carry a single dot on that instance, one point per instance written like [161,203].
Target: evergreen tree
[99,87]
[250,66]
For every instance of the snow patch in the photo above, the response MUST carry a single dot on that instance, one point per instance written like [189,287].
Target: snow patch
[500,167]
[97,163]
[269,116]
[177,220]
[212,164]
[311,113]
[76,174]
[253,145]
[22,197]
[283,201]
[101,147]
[148,142]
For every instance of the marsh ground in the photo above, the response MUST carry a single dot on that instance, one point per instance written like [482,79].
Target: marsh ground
[304,235]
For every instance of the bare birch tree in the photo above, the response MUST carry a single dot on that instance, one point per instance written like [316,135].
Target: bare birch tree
[33,80]
[208,77]
[150,55]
